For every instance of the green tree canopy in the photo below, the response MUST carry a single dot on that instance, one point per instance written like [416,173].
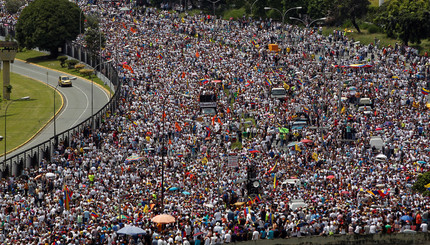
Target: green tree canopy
[48,24]
[12,6]
[419,185]
[94,40]
[341,10]
[407,20]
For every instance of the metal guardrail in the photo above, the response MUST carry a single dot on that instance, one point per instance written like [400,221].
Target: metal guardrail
[31,158]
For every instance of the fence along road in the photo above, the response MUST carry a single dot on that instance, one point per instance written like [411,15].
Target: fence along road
[77,101]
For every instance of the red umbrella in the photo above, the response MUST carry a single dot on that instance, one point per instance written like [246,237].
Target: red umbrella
[254,151]
[345,192]
[378,128]
[306,141]
[198,234]
[330,177]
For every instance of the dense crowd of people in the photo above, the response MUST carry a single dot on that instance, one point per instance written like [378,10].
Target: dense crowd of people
[159,146]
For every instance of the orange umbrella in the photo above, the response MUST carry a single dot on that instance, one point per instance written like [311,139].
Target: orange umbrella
[163,219]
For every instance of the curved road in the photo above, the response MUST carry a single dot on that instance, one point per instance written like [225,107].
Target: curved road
[77,100]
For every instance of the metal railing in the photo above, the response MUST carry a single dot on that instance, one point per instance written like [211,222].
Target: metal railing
[31,158]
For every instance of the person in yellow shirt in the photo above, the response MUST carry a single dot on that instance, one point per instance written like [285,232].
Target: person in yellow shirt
[91,178]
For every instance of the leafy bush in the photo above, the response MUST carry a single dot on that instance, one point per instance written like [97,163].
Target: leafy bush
[422,180]
[12,6]
[62,60]
[86,72]
[71,63]
[373,29]
[79,66]
[234,13]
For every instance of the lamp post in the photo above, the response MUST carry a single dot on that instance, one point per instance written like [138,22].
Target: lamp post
[5,131]
[55,124]
[252,6]
[80,20]
[282,14]
[304,23]
[163,147]
[213,4]
[92,94]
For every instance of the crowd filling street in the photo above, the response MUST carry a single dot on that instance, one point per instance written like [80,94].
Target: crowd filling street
[158,153]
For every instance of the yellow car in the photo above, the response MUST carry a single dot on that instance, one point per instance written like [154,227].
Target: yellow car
[65,81]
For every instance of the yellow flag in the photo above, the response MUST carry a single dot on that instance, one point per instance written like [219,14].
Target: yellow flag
[343,110]
[315,156]
[427,186]
[297,148]
[274,182]
[145,209]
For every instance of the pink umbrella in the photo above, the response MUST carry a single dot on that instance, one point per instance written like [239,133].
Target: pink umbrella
[330,177]
[345,192]
[306,141]
[216,81]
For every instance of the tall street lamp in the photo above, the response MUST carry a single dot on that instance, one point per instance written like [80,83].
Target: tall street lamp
[80,20]
[55,124]
[5,131]
[252,6]
[92,93]
[282,14]
[305,23]
[163,147]
[213,4]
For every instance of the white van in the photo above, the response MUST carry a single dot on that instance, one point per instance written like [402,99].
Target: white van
[297,203]
[291,183]
[377,142]
[365,102]
[278,93]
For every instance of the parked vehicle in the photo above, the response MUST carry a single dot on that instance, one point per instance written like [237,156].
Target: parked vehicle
[278,93]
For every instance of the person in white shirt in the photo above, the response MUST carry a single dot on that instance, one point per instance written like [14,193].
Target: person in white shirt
[207,240]
[185,242]
[255,235]
[372,229]
[227,237]
[424,227]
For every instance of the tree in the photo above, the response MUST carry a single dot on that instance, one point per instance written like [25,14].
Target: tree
[94,39]
[419,185]
[341,10]
[48,24]
[407,20]
[92,21]
[12,6]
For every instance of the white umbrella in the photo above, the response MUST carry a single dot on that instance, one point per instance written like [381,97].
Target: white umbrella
[381,157]
[131,230]
[124,9]
[50,175]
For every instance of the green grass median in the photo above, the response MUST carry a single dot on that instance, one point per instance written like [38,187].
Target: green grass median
[43,59]
[24,118]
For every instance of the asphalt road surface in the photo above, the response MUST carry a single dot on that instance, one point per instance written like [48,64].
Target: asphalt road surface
[77,100]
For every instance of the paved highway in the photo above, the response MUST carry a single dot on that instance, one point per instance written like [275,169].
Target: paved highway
[77,100]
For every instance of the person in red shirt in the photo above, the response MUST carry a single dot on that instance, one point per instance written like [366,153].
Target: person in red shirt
[418,221]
